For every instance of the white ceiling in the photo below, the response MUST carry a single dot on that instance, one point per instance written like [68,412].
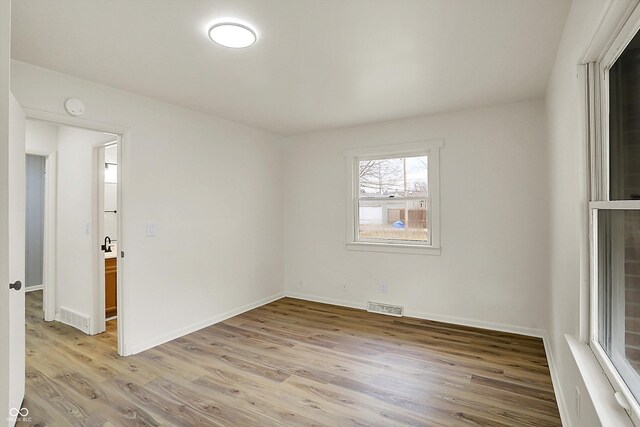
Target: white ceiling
[317,64]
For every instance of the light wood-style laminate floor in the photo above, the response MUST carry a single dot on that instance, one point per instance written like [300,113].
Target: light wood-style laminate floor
[290,362]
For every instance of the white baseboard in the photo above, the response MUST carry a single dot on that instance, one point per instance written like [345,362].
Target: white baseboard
[463,321]
[137,348]
[538,333]
[314,298]
[33,288]
[555,380]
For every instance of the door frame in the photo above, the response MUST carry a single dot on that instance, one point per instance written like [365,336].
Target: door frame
[44,229]
[49,242]
[123,135]
[50,236]
[100,322]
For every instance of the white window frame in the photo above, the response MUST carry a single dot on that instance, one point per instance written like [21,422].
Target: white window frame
[431,149]
[599,199]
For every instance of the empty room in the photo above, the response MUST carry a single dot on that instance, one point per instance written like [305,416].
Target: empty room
[320,212]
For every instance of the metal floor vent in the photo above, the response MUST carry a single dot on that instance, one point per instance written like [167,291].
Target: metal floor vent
[388,309]
[74,319]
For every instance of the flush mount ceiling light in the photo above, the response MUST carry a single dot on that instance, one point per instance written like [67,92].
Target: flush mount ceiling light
[232,34]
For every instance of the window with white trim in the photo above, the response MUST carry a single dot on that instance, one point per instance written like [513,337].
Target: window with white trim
[614,214]
[393,198]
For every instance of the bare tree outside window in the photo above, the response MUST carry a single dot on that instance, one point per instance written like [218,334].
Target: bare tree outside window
[382,177]
[393,195]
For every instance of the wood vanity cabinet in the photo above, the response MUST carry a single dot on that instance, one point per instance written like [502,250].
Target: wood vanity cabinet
[110,284]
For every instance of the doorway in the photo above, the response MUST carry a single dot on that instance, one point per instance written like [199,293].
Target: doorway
[79,239]
[110,229]
[34,222]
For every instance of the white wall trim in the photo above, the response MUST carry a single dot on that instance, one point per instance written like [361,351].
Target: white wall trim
[555,381]
[463,321]
[538,333]
[78,122]
[394,248]
[145,345]
[123,134]
[613,17]
[598,385]
[33,288]
[430,148]
[50,236]
[97,321]
[333,301]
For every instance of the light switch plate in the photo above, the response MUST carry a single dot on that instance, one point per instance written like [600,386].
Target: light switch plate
[151,229]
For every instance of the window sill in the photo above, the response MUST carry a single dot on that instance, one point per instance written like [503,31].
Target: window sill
[598,386]
[393,248]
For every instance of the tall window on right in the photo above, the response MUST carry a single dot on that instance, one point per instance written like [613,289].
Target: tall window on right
[614,93]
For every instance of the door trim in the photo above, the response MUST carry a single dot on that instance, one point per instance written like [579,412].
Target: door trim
[50,235]
[123,135]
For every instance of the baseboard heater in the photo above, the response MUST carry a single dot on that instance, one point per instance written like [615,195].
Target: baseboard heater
[388,309]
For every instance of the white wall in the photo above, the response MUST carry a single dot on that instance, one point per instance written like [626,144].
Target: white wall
[567,189]
[75,225]
[214,189]
[183,170]
[41,138]
[493,270]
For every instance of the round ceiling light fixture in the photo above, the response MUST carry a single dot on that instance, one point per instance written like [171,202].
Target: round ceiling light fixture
[233,34]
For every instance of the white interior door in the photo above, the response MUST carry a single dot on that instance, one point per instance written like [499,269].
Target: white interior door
[16,252]
[98,217]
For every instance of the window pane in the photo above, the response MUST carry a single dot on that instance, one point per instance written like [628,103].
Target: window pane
[394,177]
[417,176]
[393,220]
[624,124]
[619,292]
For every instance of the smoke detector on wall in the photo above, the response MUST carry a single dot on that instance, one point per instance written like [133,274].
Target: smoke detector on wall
[74,106]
